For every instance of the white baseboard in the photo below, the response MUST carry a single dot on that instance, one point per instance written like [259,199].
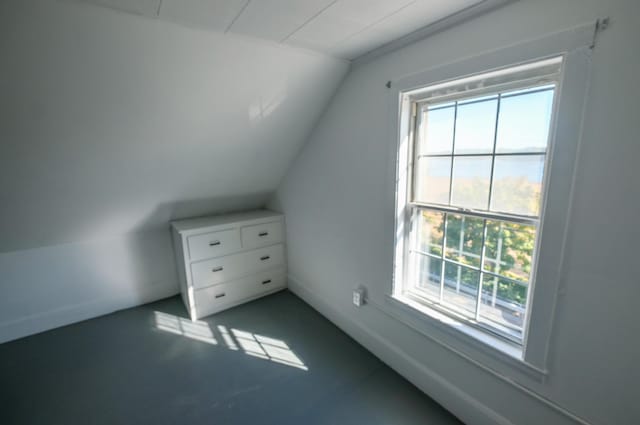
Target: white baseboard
[447,395]
[466,407]
[53,286]
[41,322]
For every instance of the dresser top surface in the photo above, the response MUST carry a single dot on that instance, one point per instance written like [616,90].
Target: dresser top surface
[197,223]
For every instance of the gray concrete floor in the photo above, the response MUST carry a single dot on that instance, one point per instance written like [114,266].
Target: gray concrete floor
[272,361]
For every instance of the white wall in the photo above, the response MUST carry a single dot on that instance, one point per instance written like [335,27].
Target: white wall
[44,288]
[113,124]
[340,231]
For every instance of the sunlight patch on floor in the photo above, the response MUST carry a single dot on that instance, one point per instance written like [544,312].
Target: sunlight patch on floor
[226,336]
[267,348]
[255,345]
[197,330]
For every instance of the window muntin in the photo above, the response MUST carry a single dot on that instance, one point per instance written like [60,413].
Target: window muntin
[478,173]
[500,167]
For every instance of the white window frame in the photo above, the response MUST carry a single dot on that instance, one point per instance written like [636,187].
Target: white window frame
[531,360]
[535,75]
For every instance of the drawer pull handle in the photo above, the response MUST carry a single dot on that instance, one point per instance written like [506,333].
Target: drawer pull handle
[220,295]
[264,282]
[265,258]
[217,269]
[214,243]
[261,234]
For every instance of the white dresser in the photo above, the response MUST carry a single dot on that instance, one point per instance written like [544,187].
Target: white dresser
[227,260]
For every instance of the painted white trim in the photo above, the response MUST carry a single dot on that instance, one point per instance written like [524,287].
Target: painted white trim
[438,26]
[471,411]
[433,324]
[574,45]
[430,383]
[67,315]
[558,42]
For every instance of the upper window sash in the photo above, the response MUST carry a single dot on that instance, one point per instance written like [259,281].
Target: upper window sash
[520,77]
[514,87]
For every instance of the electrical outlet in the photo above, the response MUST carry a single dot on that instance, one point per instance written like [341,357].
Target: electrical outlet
[358,297]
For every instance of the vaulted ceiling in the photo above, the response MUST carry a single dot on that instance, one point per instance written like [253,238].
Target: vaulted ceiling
[342,28]
[112,122]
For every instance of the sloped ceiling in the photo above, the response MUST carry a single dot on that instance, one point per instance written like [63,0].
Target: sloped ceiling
[342,28]
[111,123]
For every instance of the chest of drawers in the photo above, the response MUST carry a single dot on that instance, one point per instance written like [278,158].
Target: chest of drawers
[229,259]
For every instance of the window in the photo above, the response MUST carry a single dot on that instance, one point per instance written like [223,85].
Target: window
[479,153]
[482,169]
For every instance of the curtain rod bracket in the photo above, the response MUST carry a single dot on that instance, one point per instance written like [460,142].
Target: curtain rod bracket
[601,25]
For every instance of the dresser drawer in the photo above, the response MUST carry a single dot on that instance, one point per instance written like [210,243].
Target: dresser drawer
[218,270]
[216,298]
[214,244]
[259,235]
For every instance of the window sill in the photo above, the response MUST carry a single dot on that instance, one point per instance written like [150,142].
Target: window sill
[489,352]
[499,344]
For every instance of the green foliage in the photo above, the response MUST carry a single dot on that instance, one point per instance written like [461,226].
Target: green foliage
[508,251]
[468,277]
[507,290]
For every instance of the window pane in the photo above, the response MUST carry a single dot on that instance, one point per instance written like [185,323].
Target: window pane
[438,131]
[475,127]
[461,288]
[429,269]
[464,239]
[523,125]
[432,184]
[430,232]
[509,249]
[517,184]
[504,303]
[471,176]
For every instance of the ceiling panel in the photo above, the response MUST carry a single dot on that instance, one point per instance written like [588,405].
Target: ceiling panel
[342,28]
[216,15]
[420,14]
[413,16]
[367,11]
[361,42]
[276,19]
[344,19]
